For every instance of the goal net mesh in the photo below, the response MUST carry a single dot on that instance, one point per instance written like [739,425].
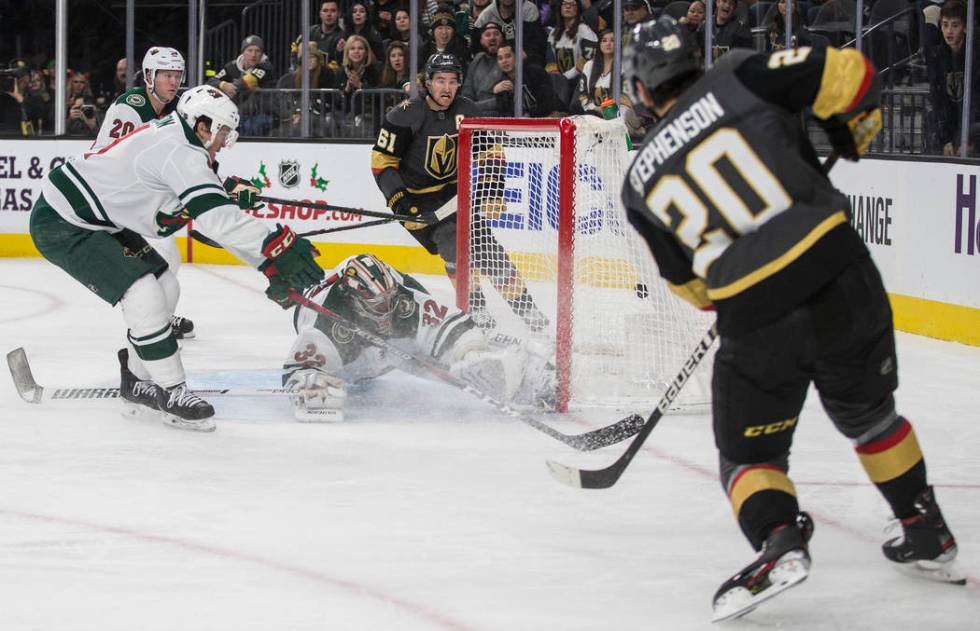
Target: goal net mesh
[543,229]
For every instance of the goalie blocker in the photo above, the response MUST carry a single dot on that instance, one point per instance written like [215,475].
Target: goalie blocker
[325,356]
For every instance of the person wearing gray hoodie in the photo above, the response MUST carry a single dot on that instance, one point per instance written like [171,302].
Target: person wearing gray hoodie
[483,72]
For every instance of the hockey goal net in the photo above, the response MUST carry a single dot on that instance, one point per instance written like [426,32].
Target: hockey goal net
[541,228]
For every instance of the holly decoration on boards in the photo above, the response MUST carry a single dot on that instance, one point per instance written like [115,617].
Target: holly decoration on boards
[264,182]
[316,181]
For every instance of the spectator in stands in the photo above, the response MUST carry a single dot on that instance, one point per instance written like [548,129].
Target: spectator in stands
[327,34]
[483,73]
[321,103]
[84,118]
[539,98]
[240,79]
[13,116]
[571,42]
[729,30]
[776,34]
[359,22]
[443,39]
[384,16]
[634,12]
[402,29]
[119,80]
[473,11]
[503,13]
[78,86]
[596,81]
[359,71]
[694,17]
[39,104]
[946,66]
[395,73]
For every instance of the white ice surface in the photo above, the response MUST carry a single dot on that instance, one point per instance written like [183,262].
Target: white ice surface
[426,510]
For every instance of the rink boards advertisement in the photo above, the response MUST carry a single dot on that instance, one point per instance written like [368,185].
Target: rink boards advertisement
[920,220]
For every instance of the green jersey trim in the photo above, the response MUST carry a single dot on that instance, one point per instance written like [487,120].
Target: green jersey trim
[203,203]
[183,196]
[79,204]
[137,99]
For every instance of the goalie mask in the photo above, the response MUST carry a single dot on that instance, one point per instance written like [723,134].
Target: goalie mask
[211,103]
[372,289]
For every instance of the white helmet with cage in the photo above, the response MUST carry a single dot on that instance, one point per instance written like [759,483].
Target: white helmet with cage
[213,104]
[162,58]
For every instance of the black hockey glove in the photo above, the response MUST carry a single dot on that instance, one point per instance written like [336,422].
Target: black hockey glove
[243,192]
[852,136]
[403,203]
[278,292]
[292,260]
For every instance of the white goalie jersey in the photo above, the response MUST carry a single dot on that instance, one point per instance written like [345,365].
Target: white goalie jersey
[151,182]
[413,321]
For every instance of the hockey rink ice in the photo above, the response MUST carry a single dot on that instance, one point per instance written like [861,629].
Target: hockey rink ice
[426,509]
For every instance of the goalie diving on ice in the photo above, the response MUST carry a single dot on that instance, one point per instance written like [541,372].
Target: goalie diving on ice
[368,293]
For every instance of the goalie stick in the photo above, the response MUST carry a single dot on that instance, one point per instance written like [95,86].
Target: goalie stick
[587,441]
[31,392]
[606,477]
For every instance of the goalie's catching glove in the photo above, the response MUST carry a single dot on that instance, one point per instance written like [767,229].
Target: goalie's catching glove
[320,397]
[244,193]
[292,264]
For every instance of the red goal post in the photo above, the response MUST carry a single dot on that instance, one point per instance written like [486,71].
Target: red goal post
[539,215]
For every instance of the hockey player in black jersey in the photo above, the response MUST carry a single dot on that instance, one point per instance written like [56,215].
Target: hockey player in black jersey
[730,196]
[414,163]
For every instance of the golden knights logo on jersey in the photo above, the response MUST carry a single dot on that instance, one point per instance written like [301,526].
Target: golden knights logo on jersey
[440,156]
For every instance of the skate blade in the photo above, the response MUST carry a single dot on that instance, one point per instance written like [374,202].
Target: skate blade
[947,572]
[320,415]
[135,410]
[199,425]
[788,572]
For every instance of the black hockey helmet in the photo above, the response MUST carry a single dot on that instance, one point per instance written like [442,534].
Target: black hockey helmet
[658,52]
[443,62]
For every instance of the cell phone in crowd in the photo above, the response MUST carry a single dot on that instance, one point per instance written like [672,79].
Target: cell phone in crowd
[462,23]
[88,111]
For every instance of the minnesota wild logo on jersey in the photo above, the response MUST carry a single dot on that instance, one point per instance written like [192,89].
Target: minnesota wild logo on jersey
[440,156]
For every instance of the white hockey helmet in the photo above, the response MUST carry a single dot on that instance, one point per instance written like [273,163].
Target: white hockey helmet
[213,104]
[162,58]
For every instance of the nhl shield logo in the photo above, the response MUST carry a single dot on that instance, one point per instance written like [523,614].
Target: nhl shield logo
[289,173]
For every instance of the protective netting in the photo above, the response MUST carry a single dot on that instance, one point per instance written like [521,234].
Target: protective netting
[592,293]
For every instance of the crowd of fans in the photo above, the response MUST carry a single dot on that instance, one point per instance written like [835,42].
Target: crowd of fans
[358,53]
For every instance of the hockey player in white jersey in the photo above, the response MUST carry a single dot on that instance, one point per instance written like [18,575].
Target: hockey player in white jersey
[96,209]
[371,294]
[163,74]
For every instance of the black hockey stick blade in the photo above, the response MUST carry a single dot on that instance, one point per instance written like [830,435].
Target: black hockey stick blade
[606,477]
[24,381]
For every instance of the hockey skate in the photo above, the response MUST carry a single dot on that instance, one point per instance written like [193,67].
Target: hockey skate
[183,409]
[926,548]
[140,397]
[783,563]
[182,327]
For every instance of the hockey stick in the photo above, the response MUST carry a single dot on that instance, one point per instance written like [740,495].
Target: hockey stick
[583,442]
[606,477]
[31,392]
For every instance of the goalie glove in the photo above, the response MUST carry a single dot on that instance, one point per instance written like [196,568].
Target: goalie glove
[243,192]
[321,396]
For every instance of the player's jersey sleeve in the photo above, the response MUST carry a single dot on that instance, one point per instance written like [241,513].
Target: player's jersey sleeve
[120,119]
[830,80]
[187,172]
[393,142]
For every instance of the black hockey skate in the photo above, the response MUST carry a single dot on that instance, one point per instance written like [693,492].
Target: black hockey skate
[783,563]
[182,327]
[139,395]
[183,409]
[926,548]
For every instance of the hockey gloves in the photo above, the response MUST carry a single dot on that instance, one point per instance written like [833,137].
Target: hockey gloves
[852,137]
[292,264]
[403,203]
[243,192]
